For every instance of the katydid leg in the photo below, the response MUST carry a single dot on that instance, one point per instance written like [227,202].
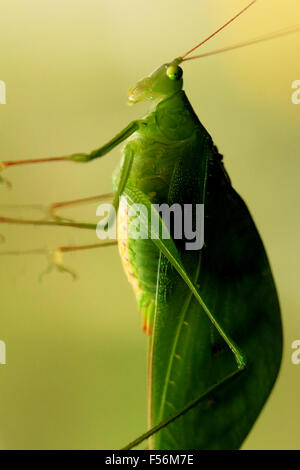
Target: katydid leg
[77,202]
[57,255]
[47,223]
[80,157]
[169,250]
[192,404]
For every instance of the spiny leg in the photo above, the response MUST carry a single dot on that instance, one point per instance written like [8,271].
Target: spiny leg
[44,223]
[57,256]
[54,207]
[76,202]
[51,210]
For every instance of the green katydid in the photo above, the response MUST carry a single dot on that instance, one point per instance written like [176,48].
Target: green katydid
[212,316]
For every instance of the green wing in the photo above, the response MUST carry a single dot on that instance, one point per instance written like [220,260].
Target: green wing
[188,355]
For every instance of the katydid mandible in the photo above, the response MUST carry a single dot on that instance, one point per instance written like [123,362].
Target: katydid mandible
[212,315]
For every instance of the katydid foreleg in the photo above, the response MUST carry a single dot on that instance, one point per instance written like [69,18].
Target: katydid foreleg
[81,157]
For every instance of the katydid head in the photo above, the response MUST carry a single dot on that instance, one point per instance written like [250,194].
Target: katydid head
[167,79]
[160,84]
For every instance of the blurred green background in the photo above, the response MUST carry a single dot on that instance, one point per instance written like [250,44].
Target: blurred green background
[76,371]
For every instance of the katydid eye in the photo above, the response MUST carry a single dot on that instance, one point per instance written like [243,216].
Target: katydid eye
[174,72]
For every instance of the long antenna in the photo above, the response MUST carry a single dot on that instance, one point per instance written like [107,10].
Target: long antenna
[266,37]
[220,29]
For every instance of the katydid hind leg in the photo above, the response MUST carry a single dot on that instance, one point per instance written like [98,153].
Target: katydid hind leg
[169,251]
[192,404]
[168,248]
